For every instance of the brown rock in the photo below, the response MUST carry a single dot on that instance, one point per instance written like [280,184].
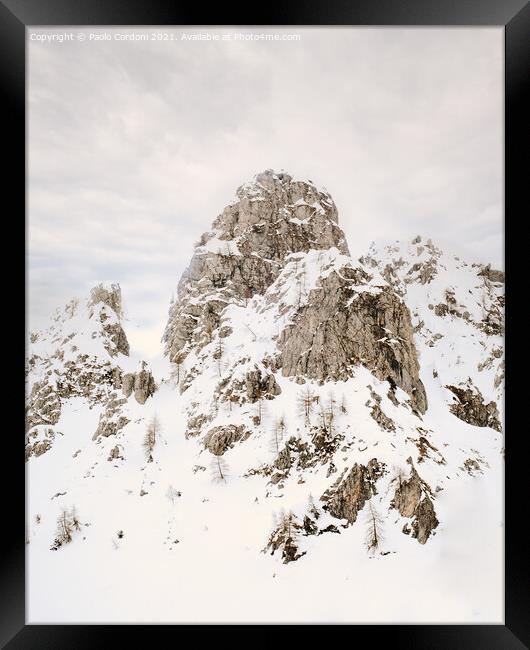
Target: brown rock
[348,496]
[470,407]
[221,438]
[342,327]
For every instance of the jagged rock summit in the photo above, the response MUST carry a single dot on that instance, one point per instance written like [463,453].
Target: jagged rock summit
[280,247]
[247,249]
[83,354]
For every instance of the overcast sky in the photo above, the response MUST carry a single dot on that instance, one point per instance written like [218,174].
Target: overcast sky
[135,147]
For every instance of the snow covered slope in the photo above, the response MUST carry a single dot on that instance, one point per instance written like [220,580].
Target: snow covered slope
[310,452]
[458,316]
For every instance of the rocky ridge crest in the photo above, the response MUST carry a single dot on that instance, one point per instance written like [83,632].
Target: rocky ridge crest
[81,355]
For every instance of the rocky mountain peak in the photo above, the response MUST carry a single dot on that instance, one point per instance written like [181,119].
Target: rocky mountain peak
[274,204]
[271,218]
[109,294]
[275,272]
[275,215]
[84,353]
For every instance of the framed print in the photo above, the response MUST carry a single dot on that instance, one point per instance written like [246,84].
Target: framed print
[265,334]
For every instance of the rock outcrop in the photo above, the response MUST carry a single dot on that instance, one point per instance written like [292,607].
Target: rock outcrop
[492,275]
[348,495]
[112,419]
[413,498]
[115,454]
[141,383]
[342,327]
[284,538]
[256,384]
[80,356]
[221,438]
[469,406]
[43,405]
[243,254]
[109,296]
[39,440]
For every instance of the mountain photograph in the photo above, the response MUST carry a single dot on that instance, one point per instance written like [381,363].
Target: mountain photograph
[265,346]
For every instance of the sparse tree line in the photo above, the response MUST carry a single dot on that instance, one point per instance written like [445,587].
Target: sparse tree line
[327,409]
[288,529]
[310,406]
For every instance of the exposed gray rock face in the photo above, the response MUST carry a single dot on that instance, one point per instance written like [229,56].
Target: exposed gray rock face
[256,385]
[141,383]
[115,454]
[382,420]
[76,357]
[87,377]
[408,494]
[220,439]
[492,274]
[196,423]
[43,405]
[111,297]
[245,251]
[127,384]
[425,520]
[348,495]
[298,455]
[39,440]
[413,499]
[470,407]
[400,273]
[107,295]
[493,320]
[256,248]
[118,339]
[342,327]
[285,538]
[283,459]
[112,419]
[472,467]
[427,450]
[386,423]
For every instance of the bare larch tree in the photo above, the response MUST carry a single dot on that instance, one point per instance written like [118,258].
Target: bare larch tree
[151,437]
[306,404]
[278,433]
[374,529]
[219,468]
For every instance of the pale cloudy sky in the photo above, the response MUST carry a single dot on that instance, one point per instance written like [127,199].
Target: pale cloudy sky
[135,147]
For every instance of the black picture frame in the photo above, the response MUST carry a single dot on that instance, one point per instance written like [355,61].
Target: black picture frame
[514,15]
